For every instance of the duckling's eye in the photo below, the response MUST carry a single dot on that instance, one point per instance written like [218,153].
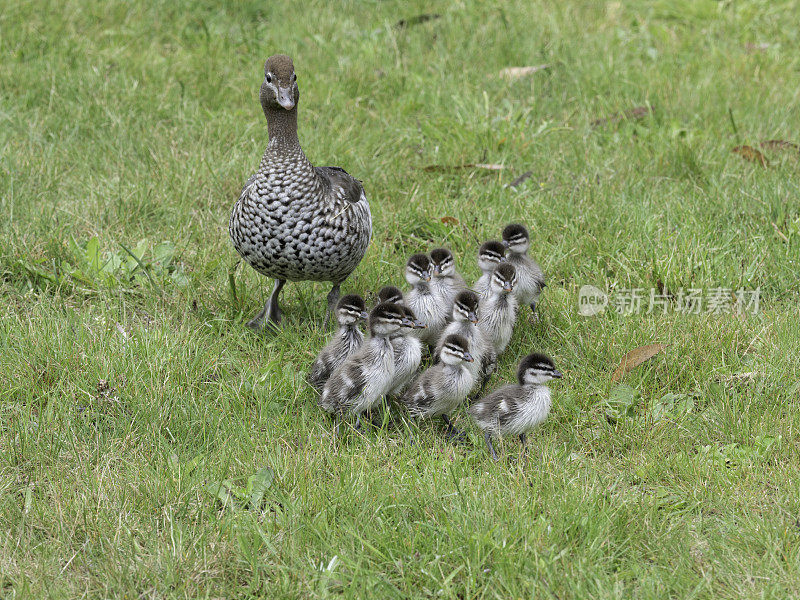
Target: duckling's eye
[269,77]
[294,77]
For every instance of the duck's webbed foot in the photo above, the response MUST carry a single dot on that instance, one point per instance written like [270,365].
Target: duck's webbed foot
[271,313]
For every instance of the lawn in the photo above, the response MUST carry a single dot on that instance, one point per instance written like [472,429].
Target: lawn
[151,446]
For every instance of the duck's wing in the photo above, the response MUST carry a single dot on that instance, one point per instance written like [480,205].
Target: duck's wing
[248,184]
[340,184]
[494,408]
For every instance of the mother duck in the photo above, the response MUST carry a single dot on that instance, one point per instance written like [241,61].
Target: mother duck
[294,221]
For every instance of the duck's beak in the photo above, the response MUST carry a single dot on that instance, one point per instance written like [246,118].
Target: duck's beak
[557,374]
[468,357]
[420,325]
[426,276]
[406,322]
[364,314]
[506,243]
[286,98]
[507,287]
[472,317]
[437,269]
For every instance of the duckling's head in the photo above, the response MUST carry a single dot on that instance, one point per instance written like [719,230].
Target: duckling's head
[351,309]
[455,350]
[418,269]
[444,265]
[490,255]
[516,238]
[389,293]
[537,369]
[279,89]
[465,307]
[386,318]
[504,278]
[413,321]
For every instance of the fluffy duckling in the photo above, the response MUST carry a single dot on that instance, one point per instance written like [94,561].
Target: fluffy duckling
[446,281]
[439,390]
[490,255]
[529,273]
[390,293]
[465,324]
[366,375]
[407,353]
[349,312]
[516,409]
[423,301]
[498,312]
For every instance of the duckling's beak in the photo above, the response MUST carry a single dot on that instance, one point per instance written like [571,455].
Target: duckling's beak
[506,243]
[437,269]
[556,374]
[364,314]
[420,325]
[406,322]
[507,287]
[286,98]
[472,317]
[468,357]
[426,276]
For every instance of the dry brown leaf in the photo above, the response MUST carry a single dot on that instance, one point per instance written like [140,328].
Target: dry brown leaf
[448,220]
[636,357]
[517,72]
[448,168]
[632,114]
[779,145]
[751,154]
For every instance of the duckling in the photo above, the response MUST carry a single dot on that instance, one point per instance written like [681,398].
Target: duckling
[389,293]
[529,273]
[516,409]
[366,375]
[294,221]
[439,390]
[490,255]
[498,312]
[349,312]
[465,324]
[407,353]
[422,300]
[446,282]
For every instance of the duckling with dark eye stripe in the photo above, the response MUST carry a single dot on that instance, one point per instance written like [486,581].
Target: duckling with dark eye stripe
[516,409]
[530,279]
[439,390]
[345,342]
[422,300]
[407,353]
[365,376]
[446,281]
[465,323]
[490,255]
[390,293]
[498,312]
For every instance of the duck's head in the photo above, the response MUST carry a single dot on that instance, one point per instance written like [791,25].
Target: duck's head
[490,255]
[386,318]
[418,269]
[413,321]
[350,309]
[536,369]
[279,89]
[389,293]
[516,238]
[465,307]
[444,265]
[504,278]
[455,350]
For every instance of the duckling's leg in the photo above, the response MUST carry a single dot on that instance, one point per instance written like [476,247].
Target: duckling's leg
[488,437]
[451,430]
[333,299]
[271,310]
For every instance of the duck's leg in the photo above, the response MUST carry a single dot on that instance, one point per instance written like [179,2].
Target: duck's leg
[451,431]
[271,310]
[488,437]
[333,299]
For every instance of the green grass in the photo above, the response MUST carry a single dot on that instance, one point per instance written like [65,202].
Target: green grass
[131,390]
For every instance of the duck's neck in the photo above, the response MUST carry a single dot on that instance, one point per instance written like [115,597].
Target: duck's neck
[282,127]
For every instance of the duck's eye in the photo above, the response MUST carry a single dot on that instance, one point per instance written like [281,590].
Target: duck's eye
[294,77]
[269,77]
